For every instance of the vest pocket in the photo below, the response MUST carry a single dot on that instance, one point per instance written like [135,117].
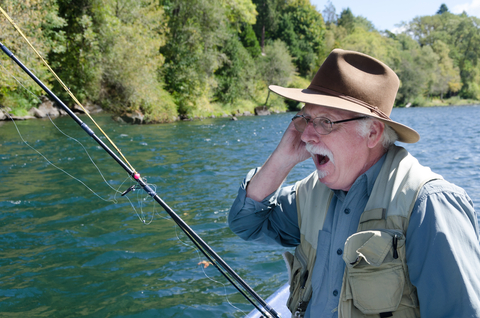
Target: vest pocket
[300,291]
[375,277]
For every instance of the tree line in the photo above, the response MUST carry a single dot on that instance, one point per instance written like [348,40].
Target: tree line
[170,58]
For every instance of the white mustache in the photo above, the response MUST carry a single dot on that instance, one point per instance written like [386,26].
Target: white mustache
[319,150]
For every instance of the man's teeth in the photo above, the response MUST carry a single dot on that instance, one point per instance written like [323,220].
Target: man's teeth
[322,159]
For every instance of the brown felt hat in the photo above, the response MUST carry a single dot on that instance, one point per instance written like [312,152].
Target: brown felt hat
[355,82]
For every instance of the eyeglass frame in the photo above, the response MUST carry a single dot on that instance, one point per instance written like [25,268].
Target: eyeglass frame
[308,120]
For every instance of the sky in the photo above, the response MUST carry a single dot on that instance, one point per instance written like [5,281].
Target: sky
[385,15]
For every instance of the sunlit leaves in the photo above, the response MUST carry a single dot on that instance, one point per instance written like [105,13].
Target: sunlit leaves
[240,11]
[461,34]
[301,27]
[16,88]
[276,67]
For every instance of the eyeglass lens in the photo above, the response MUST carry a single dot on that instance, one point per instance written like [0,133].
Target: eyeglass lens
[321,125]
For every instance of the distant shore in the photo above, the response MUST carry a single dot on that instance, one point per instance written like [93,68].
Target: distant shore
[48,108]
[452,101]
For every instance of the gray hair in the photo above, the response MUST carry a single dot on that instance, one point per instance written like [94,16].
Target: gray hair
[389,135]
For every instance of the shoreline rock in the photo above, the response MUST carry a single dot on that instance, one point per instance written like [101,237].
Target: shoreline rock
[91,108]
[135,117]
[48,108]
[262,111]
[2,115]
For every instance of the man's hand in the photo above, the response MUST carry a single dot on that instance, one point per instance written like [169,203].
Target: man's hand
[291,148]
[289,152]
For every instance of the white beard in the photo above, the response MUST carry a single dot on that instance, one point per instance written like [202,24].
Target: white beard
[322,174]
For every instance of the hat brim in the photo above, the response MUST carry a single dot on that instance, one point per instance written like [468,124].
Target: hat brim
[309,96]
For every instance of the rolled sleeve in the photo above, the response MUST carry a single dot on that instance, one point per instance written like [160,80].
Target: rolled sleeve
[273,220]
[443,252]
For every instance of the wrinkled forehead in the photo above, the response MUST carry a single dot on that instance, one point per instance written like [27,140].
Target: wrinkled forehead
[324,111]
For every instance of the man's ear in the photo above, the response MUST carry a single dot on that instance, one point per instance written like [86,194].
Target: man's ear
[375,135]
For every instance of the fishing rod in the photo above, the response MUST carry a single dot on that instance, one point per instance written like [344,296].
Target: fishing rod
[214,258]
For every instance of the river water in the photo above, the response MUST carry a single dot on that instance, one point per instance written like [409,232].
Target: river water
[68,251]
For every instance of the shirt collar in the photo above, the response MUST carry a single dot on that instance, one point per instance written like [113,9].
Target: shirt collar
[373,172]
[367,179]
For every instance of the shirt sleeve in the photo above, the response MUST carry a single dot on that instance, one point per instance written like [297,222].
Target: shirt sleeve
[274,220]
[443,252]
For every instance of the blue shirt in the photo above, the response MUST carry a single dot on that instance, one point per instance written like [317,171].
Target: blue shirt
[443,251]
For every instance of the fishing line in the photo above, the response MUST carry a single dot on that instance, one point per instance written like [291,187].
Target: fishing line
[214,258]
[206,275]
[85,149]
[141,199]
[141,216]
[54,165]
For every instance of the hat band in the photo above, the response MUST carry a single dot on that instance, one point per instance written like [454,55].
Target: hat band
[372,108]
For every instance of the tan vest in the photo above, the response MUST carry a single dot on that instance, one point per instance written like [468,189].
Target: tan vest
[376,280]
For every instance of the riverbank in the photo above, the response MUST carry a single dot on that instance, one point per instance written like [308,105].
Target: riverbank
[48,108]
[452,101]
[275,105]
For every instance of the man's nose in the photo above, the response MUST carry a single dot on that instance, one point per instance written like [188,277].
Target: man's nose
[309,134]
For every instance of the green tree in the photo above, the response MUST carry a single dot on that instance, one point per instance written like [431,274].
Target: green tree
[371,43]
[110,56]
[414,68]
[269,13]
[38,20]
[276,67]
[301,27]
[346,20]
[240,11]
[362,22]
[428,29]
[236,78]
[78,64]
[443,8]
[343,33]
[249,40]
[462,35]
[466,42]
[329,13]
[131,34]
[447,75]
[196,31]
[204,59]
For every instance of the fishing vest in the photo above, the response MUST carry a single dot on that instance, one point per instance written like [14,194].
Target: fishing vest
[376,281]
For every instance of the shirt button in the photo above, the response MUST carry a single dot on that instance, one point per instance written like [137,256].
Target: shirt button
[347,211]
[339,251]
[335,293]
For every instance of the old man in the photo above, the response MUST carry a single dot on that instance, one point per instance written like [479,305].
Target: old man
[376,233]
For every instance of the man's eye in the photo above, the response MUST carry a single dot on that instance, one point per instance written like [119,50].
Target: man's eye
[324,121]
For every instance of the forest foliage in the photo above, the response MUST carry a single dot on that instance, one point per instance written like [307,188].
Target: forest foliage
[171,58]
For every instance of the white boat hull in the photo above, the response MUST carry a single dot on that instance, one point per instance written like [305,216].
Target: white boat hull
[277,301]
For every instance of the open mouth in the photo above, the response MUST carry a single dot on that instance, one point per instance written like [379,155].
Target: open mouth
[321,159]
[320,155]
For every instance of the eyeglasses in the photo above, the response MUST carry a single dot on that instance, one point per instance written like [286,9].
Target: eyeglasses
[322,125]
